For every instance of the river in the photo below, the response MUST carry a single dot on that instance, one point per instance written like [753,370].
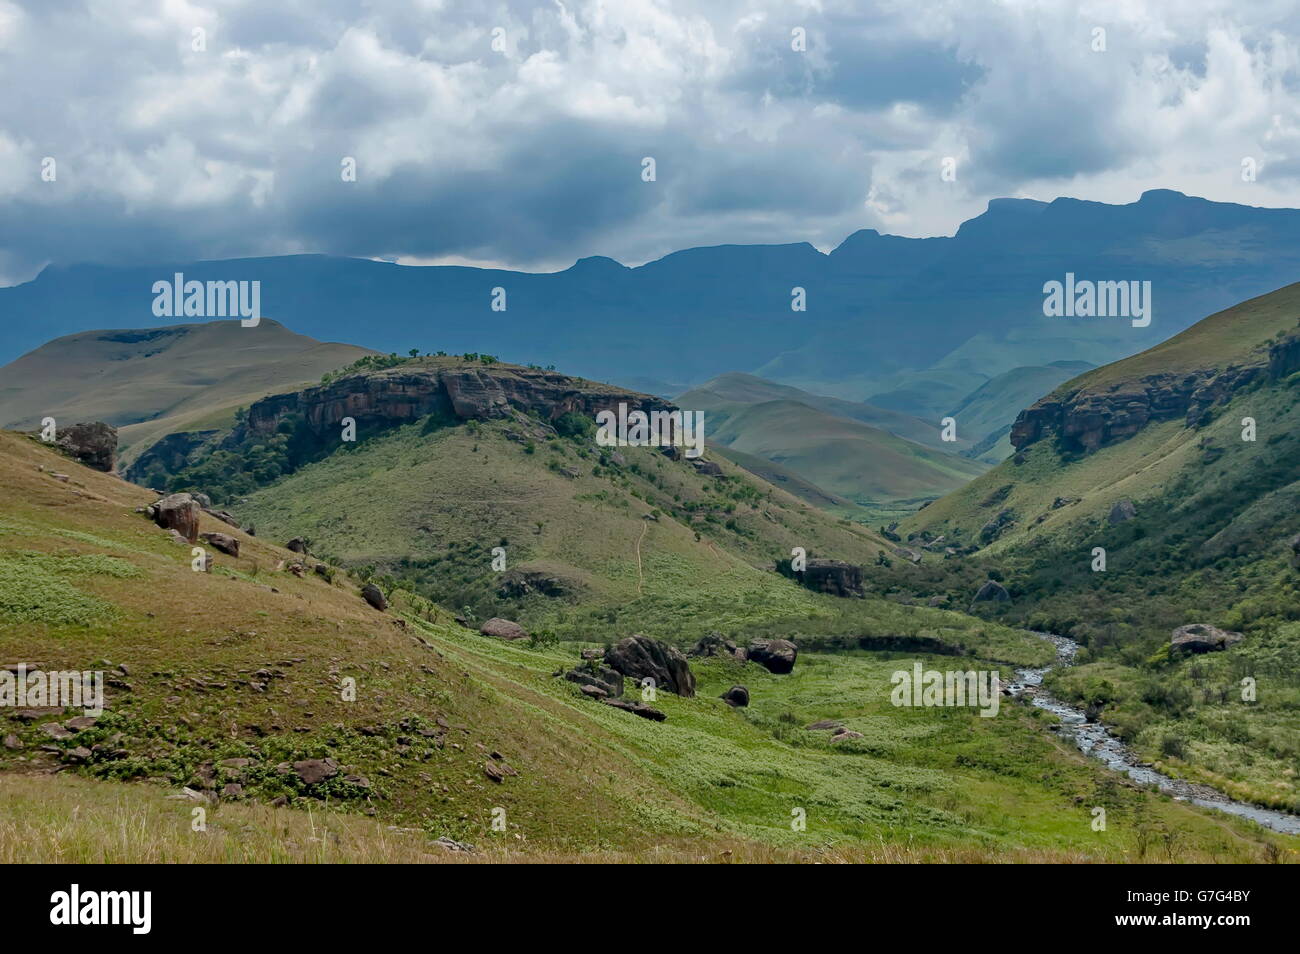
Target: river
[1095,740]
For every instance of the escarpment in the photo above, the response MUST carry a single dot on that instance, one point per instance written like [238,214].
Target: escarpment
[464,393]
[393,396]
[1085,419]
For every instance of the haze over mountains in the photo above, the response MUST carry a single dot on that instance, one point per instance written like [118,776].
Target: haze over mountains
[914,325]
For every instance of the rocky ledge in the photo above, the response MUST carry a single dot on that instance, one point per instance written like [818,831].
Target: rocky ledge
[467,393]
[1088,418]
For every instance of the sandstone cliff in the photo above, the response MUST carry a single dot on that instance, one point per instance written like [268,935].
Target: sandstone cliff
[1092,416]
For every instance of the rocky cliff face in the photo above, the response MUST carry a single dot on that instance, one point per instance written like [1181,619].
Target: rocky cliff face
[1089,418]
[467,393]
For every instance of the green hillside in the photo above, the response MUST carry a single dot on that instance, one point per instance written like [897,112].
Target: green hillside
[986,414]
[150,382]
[868,466]
[1208,540]
[223,680]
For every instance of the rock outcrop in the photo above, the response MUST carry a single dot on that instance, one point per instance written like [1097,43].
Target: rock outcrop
[714,644]
[1093,416]
[609,681]
[992,592]
[640,657]
[95,444]
[1201,638]
[1122,512]
[832,576]
[401,394]
[775,655]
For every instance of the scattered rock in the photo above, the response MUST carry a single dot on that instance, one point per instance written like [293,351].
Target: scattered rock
[834,577]
[713,644]
[1122,512]
[223,542]
[593,653]
[640,657]
[845,734]
[992,591]
[706,468]
[609,681]
[56,731]
[595,692]
[1060,502]
[374,596]
[232,790]
[1201,638]
[315,771]
[736,696]
[637,708]
[775,655]
[77,756]
[179,512]
[997,526]
[519,582]
[80,723]
[498,771]
[449,845]
[830,724]
[12,742]
[297,545]
[503,629]
[95,444]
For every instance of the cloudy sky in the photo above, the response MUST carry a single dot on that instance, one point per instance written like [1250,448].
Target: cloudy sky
[514,132]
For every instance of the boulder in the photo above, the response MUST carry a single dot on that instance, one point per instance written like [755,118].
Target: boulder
[95,445]
[503,629]
[640,657]
[1121,512]
[1295,550]
[609,681]
[518,582]
[179,512]
[992,592]
[315,771]
[712,644]
[736,696]
[774,655]
[374,596]
[834,577]
[297,545]
[637,708]
[223,542]
[706,468]
[1201,638]
[997,526]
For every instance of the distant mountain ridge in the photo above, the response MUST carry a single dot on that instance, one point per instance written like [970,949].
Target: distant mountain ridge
[878,306]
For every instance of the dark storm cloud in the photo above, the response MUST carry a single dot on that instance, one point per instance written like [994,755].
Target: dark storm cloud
[529,154]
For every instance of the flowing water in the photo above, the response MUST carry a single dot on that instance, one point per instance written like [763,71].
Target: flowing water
[1095,740]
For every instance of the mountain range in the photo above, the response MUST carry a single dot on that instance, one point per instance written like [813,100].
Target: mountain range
[914,325]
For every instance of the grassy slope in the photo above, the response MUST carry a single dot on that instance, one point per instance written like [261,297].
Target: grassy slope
[87,583]
[1209,545]
[172,381]
[986,414]
[737,388]
[845,457]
